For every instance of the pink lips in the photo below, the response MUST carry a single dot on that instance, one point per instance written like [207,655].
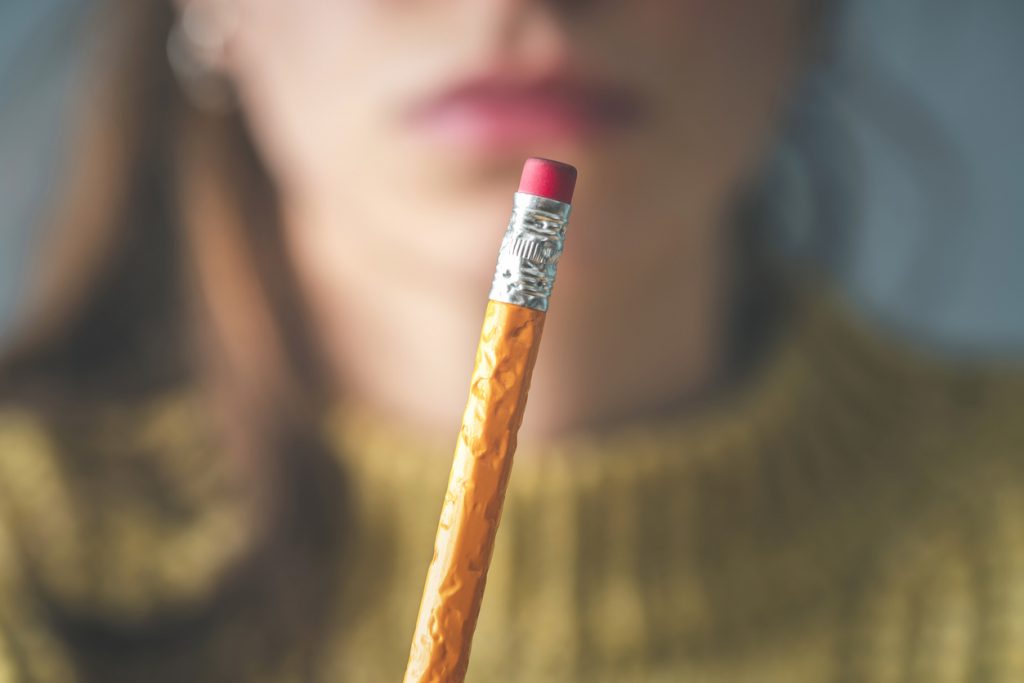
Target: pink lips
[496,112]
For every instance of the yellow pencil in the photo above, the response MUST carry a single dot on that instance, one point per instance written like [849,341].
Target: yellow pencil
[505,356]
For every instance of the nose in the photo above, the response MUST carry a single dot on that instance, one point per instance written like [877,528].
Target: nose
[526,31]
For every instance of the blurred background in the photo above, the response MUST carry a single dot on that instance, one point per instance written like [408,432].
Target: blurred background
[923,99]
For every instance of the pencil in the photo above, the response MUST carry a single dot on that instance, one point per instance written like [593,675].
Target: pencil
[509,340]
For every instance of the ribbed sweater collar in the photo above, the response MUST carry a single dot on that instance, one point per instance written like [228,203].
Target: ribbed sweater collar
[684,534]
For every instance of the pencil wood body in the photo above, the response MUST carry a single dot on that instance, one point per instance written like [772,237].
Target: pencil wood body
[476,490]
[523,278]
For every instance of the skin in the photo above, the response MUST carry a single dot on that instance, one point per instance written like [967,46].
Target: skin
[394,231]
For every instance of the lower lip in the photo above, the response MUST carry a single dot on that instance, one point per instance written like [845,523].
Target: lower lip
[488,125]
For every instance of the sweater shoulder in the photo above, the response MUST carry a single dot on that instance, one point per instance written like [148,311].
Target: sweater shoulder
[120,511]
[29,647]
[974,402]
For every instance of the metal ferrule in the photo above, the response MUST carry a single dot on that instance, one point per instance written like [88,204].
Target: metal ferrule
[528,258]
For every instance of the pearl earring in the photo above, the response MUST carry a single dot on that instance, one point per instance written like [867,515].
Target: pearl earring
[196,47]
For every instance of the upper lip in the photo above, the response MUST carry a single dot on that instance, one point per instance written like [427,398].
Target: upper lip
[601,101]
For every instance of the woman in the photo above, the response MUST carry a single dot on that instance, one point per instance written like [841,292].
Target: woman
[226,422]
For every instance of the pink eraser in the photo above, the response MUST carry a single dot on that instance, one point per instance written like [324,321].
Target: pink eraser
[546,178]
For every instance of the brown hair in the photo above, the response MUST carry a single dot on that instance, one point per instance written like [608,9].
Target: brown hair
[165,269]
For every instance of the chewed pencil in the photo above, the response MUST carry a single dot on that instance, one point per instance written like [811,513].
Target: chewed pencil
[513,321]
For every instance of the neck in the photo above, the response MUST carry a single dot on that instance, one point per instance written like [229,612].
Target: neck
[616,345]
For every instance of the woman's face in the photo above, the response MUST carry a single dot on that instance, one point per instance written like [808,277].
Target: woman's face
[408,120]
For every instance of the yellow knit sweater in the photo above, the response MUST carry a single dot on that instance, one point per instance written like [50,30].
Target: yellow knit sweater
[853,512]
